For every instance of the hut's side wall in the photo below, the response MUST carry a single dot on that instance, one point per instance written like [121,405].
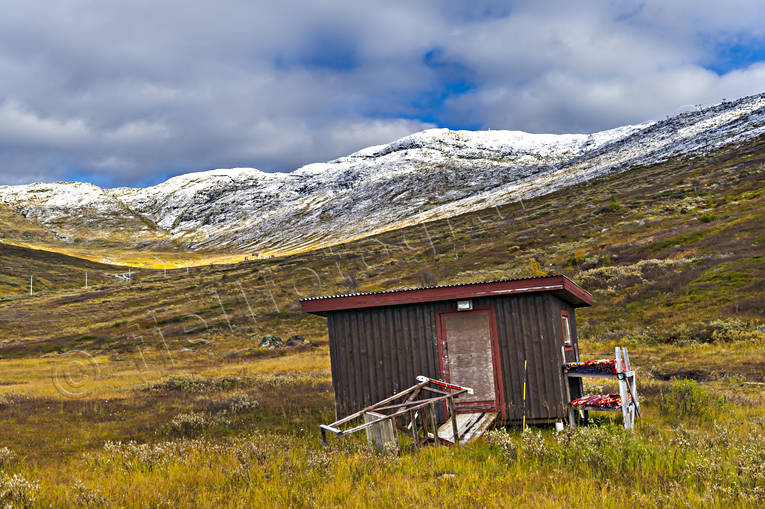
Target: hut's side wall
[576,388]
[529,331]
[377,352]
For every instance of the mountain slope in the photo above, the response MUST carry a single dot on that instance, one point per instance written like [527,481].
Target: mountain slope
[51,271]
[425,176]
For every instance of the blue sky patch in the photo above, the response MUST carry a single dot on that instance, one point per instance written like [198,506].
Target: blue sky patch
[737,54]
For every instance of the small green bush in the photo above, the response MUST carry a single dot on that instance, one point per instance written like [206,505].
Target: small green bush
[686,399]
[707,217]
[535,269]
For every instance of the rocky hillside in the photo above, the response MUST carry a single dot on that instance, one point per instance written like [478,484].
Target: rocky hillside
[428,175]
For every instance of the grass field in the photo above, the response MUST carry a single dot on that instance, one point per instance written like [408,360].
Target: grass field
[153,393]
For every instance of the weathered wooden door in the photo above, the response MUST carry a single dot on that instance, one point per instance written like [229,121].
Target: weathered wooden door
[468,351]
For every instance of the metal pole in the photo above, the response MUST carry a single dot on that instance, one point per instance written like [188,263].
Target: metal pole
[433,423]
[31,284]
[453,415]
[413,419]
[86,280]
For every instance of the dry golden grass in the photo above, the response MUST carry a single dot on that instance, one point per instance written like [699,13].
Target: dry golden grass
[154,393]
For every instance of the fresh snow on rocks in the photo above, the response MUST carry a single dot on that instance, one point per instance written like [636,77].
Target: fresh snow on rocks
[424,176]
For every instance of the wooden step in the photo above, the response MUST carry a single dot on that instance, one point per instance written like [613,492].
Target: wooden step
[469,426]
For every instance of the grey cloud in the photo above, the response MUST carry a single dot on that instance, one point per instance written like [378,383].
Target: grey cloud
[578,68]
[122,92]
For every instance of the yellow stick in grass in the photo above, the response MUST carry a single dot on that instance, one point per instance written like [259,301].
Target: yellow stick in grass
[524,394]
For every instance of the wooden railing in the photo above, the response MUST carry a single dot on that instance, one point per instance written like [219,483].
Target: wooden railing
[413,408]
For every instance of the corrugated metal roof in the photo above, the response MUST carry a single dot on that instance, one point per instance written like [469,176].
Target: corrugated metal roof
[419,288]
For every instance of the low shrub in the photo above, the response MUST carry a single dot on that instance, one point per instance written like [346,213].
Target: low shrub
[613,203]
[534,269]
[711,332]
[189,423]
[717,331]
[18,491]
[195,384]
[82,496]
[685,398]
[227,410]
[132,456]
[618,277]
[533,444]
[502,441]
[7,457]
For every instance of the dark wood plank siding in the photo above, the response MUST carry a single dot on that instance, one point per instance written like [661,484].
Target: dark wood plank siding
[379,351]
[376,352]
[575,385]
[337,362]
[526,330]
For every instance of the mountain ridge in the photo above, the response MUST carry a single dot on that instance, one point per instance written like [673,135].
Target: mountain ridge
[425,176]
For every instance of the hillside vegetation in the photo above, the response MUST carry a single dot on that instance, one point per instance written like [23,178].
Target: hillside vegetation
[51,271]
[154,393]
[429,175]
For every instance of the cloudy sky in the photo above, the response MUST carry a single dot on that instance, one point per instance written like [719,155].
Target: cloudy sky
[131,92]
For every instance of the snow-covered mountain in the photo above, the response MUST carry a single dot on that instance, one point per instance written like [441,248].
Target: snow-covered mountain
[428,175]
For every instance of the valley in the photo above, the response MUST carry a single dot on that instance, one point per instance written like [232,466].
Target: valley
[158,383]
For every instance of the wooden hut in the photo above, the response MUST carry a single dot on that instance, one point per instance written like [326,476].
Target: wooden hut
[478,335]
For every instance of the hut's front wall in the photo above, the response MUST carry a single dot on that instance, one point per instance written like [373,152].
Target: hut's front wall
[376,352]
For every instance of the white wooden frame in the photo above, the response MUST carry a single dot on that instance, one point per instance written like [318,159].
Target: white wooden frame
[630,406]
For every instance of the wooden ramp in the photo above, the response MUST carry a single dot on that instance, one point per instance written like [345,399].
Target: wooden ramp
[469,427]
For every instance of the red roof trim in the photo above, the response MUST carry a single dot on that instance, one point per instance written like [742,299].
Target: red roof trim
[564,287]
[577,291]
